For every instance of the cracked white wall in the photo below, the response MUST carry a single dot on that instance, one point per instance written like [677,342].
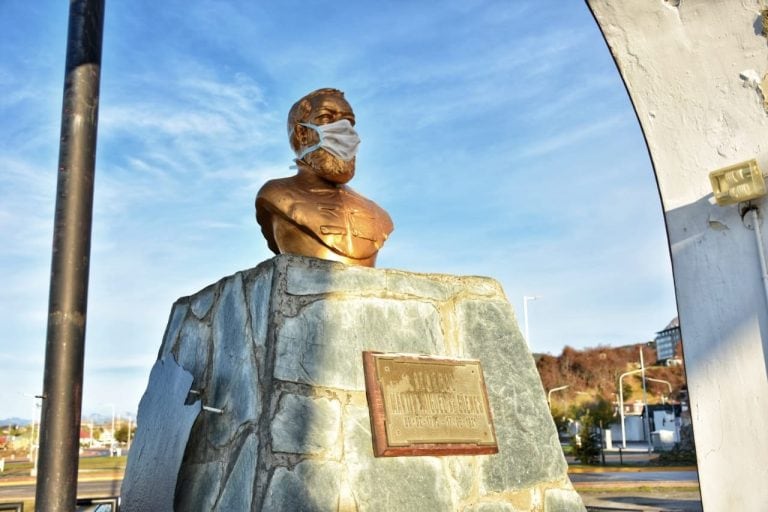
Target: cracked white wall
[696,73]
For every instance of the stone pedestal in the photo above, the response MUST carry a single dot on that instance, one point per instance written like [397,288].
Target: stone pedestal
[278,349]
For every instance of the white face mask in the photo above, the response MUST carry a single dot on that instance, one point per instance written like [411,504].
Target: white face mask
[338,138]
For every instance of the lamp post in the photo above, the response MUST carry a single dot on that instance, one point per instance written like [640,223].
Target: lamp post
[34,437]
[33,472]
[621,398]
[130,427]
[112,443]
[645,404]
[549,394]
[669,385]
[56,489]
[662,381]
[526,298]
[621,406]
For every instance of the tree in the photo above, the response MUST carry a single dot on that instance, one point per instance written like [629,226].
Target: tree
[121,433]
[587,444]
[601,411]
[626,390]
[593,416]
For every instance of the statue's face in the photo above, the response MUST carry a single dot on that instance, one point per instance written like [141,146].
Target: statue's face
[327,108]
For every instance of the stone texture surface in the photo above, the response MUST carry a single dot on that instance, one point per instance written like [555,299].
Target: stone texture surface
[309,486]
[151,474]
[308,347]
[241,477]
[516,396]
[278,349]
[561,500]
[491,507]
[203,484]
[306,425]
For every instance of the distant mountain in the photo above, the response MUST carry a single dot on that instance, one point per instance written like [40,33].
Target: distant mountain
[97,419]
[14,421]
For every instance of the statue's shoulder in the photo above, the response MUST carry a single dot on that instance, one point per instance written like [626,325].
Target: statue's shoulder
[275,198]
[336,216]
[278,193]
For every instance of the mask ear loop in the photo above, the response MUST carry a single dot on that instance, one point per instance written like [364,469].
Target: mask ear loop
[314,147]
[290,136]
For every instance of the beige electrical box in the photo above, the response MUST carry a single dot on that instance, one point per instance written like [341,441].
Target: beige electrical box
[737,183]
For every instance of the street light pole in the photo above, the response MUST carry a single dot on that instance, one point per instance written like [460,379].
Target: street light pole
[130,426]
[669,385]
[112,443]
[56,488]
[34,437]
[621,406]
[645,404]
[621,398]
[549,394]
[37,442]
[526,298]
[34,443]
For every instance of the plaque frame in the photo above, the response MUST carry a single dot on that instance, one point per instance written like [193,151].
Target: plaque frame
[375,395]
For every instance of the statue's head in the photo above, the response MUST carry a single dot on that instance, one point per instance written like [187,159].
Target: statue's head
[318,108]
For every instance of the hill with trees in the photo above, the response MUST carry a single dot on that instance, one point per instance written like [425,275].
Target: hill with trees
[593,373]
[592,395]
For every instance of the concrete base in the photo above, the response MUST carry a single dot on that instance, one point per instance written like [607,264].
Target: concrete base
[279,348]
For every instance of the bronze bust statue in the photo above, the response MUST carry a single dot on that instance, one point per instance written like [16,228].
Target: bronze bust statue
[315,213]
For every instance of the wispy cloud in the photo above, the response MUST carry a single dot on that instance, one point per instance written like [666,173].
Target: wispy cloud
[571,135]
[487,129]
[26,207]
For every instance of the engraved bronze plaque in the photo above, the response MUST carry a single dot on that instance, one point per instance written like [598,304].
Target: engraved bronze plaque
[425,405]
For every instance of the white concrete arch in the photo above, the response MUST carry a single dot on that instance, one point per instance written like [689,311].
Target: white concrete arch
[693,70]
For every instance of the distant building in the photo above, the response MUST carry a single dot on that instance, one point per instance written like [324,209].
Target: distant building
[86,437]
[106,437]
[666,342]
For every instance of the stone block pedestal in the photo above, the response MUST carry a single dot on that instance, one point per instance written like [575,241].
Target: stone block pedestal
[278,349]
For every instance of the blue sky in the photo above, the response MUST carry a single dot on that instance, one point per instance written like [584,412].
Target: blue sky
[497,134]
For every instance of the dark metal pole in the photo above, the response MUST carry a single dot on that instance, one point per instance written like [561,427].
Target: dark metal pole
[65,344]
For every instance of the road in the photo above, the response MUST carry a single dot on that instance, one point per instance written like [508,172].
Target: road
[600,490]
[649,491]
[658,501]
[635,476]
[101,488]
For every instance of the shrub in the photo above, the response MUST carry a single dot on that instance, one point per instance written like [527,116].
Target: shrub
[586,446]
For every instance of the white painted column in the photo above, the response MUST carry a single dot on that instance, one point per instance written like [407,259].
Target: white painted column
[693,69]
